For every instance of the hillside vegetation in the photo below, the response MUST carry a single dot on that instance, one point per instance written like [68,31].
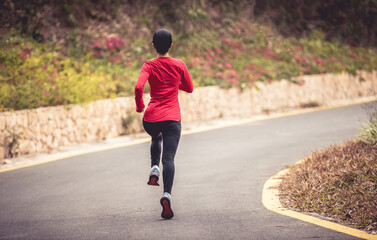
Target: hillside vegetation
[63,52]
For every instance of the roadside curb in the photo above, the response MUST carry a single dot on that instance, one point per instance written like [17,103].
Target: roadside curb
[270,199]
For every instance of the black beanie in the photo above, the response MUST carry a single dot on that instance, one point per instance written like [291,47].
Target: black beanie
[162,40]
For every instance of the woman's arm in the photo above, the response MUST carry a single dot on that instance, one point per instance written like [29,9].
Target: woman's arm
[139,88]
[186,81]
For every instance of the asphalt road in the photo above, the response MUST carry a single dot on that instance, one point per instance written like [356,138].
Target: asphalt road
[216,195]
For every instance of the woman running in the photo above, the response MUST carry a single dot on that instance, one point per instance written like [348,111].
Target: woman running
[162,118]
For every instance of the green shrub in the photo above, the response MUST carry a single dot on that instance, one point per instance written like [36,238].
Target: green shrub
[368,133]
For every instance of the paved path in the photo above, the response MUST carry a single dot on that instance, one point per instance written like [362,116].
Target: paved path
[216,195]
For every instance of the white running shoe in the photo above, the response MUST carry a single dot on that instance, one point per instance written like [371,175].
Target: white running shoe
[167,212]
[154,176]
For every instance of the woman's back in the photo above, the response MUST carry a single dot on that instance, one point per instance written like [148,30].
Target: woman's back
[165,76]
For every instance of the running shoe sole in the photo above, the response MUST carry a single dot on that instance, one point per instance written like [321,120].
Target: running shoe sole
[153,180]
[167,212]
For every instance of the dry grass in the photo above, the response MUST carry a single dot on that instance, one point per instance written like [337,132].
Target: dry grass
[339,182]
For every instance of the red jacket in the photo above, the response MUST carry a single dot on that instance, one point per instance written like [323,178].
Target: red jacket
[165,76]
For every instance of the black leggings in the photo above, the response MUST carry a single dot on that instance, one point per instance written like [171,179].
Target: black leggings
[169,133]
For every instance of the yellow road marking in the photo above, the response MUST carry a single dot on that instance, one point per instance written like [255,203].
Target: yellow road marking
[69,155]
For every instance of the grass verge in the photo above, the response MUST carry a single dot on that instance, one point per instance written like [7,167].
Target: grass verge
[339,182]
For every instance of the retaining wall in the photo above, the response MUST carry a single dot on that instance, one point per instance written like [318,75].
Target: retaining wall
[46,129]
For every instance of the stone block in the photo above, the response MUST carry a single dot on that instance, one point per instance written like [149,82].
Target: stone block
[2,122]
[2,138]
[2,152]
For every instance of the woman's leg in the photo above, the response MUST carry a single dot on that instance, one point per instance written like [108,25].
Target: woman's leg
[154,130]
[156,150]
[171,134]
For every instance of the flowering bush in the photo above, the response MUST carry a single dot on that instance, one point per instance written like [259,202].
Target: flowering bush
[256,54]
[34,75]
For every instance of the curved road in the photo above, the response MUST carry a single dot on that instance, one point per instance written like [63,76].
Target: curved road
[216,195]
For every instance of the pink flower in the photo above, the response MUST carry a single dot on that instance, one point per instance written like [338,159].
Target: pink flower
[54,61]
[352,55]
[304,60]
[227,41]
[45,67]
[234,81]
[228,65]
[120,43]
[234,73]
[269,80]
[194,63]
[319,62]
[210,51]
[47,94]
[24,55]
[109,45]
[235,44]
[97,45]
[114,41]
[15,95]
[297,57]
[5,48]
[56,88]
[308,68]
[219,51]
[267,55]
[301,83]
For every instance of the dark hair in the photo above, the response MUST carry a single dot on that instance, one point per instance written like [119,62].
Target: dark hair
[162,40]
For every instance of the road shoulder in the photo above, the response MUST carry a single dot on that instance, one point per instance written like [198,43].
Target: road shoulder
[270,199]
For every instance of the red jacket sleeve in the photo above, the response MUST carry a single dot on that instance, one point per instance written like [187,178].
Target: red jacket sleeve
[139,88]
[186,81]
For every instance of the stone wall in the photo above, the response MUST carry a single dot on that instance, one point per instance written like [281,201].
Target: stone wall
[46,129]
[213,102]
